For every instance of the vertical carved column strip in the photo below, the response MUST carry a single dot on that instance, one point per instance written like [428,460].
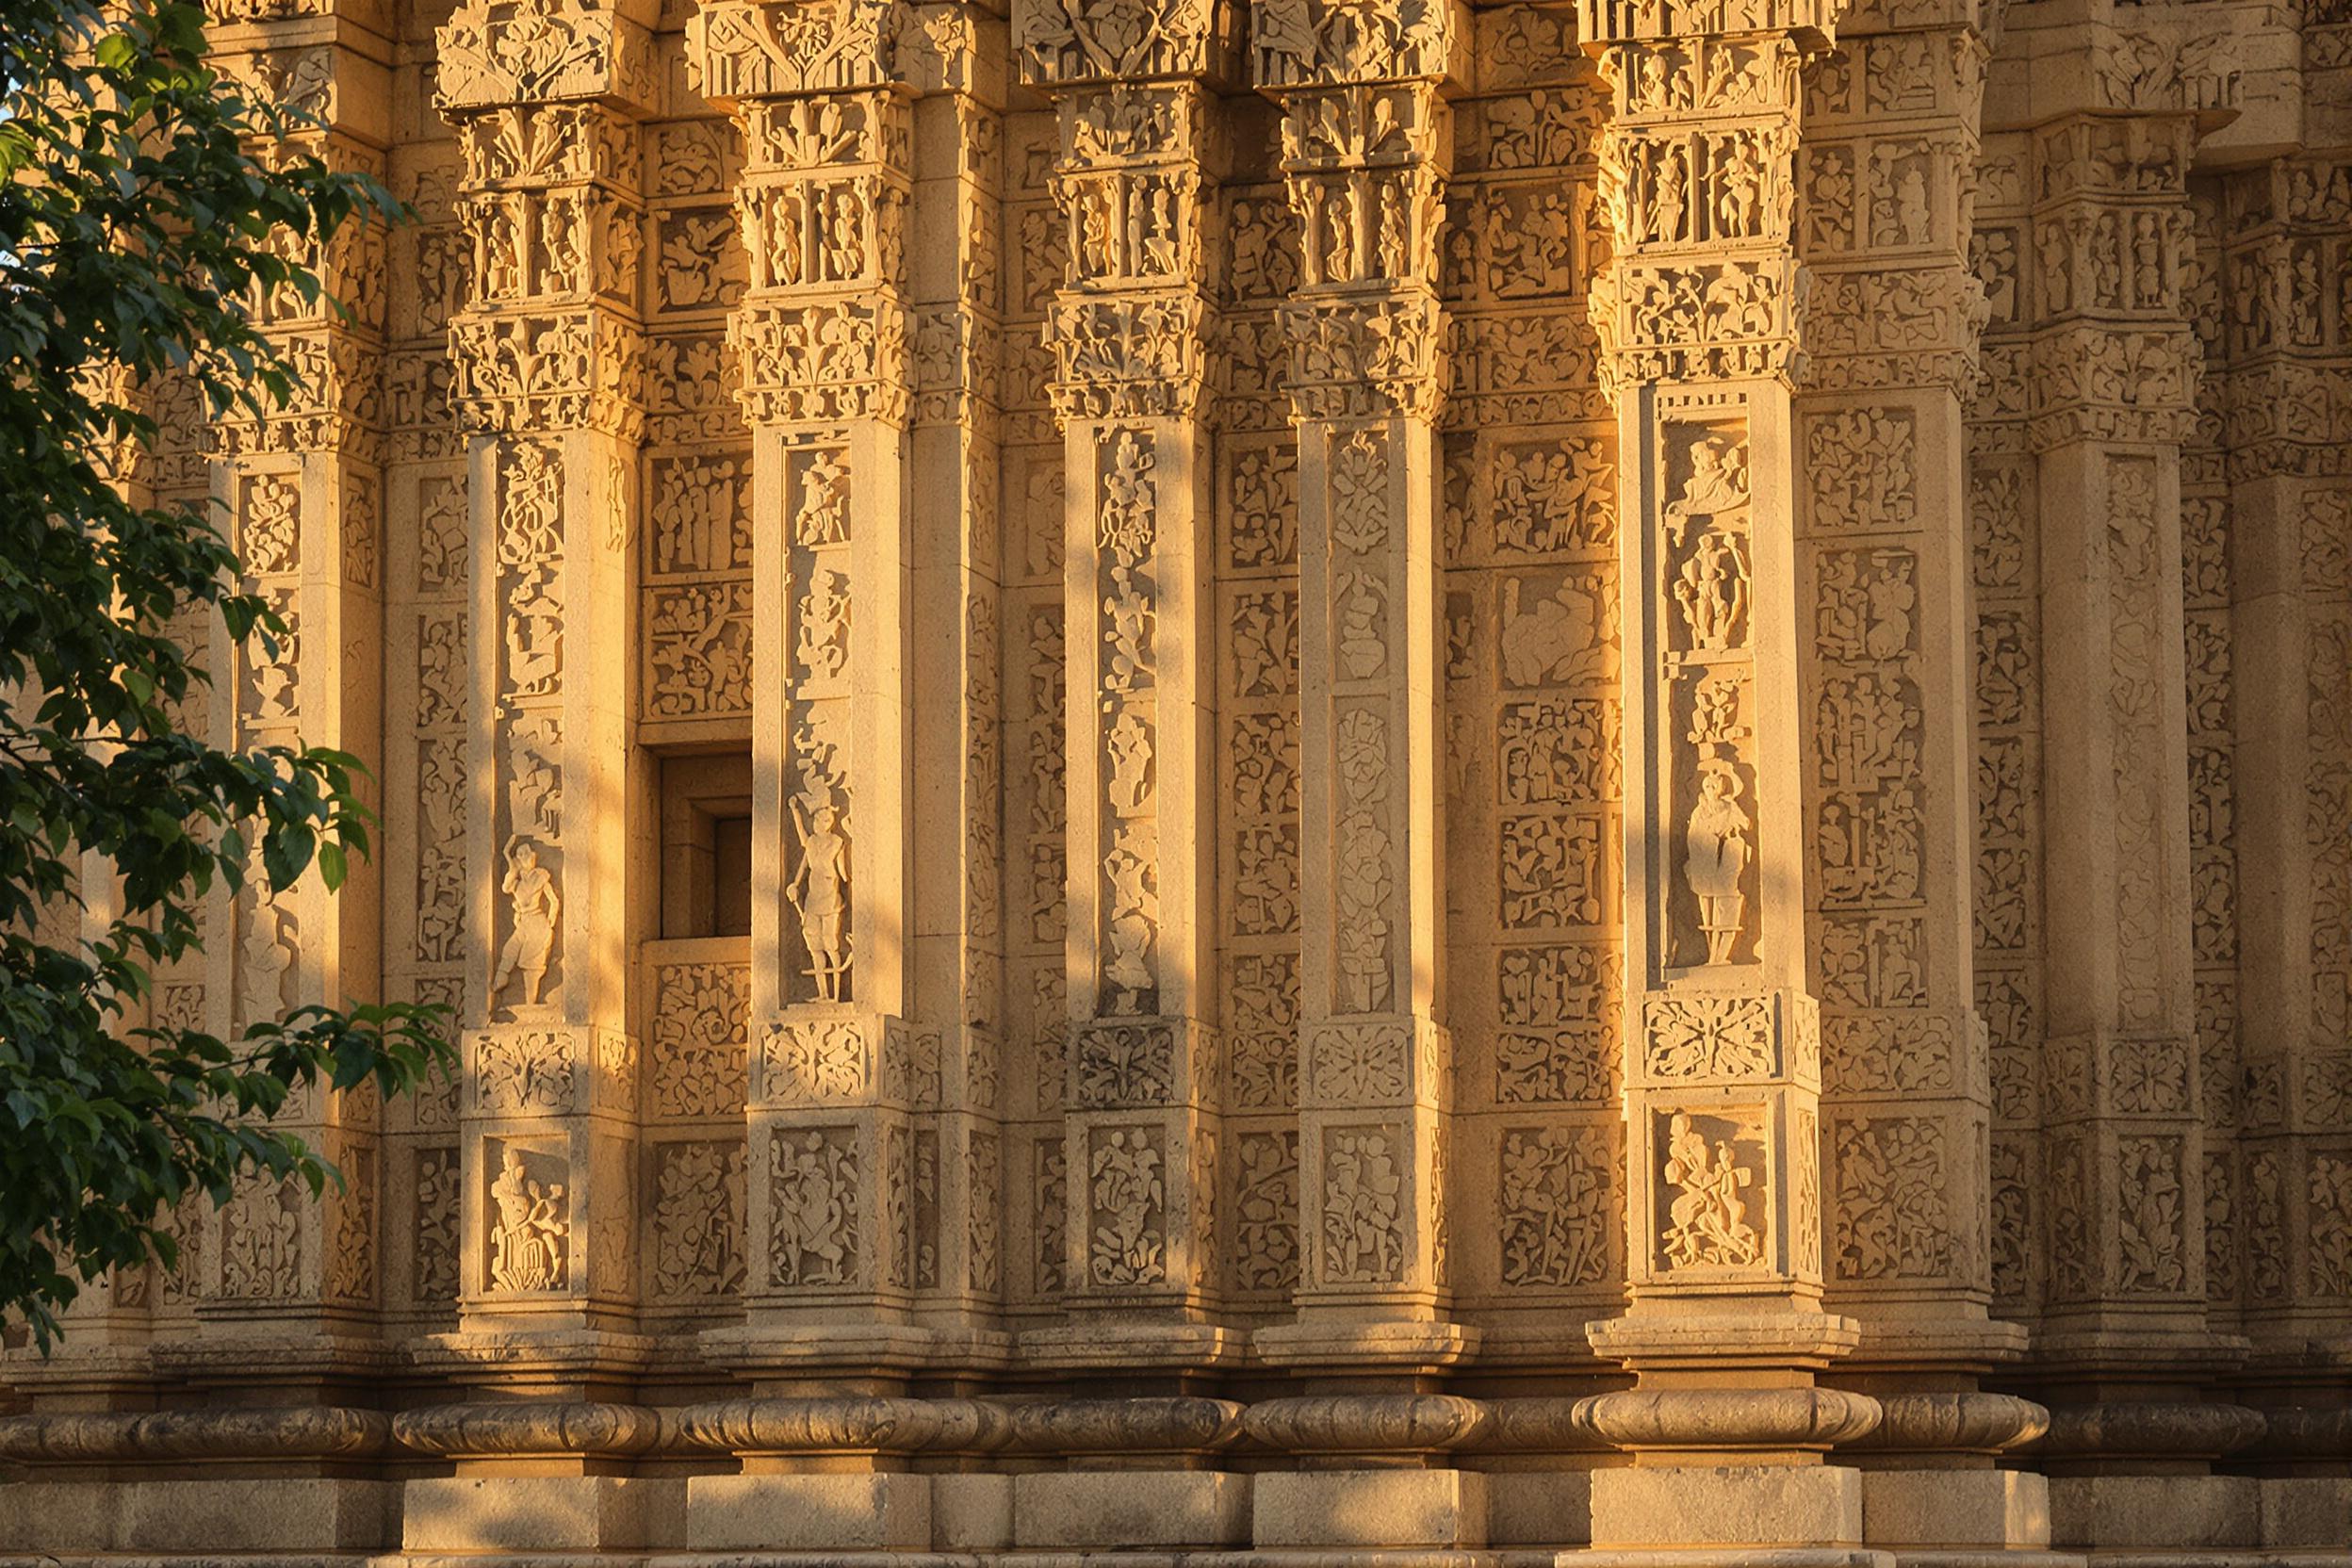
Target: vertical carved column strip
[1699,317]
[428,710]
[1129,330]
[1890,158]
[302,488]
[548,359]
[952,55]
[1366,142]
[2288,577]
[822,338]
[2005,567]
[1035,680]
[2114,365]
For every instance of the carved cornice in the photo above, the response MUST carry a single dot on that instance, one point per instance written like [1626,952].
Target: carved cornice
[1602,23]
[1128,357]
[577,370]
[826,360]
[741,49]
[511,53]
[1314,43]
[1069,43]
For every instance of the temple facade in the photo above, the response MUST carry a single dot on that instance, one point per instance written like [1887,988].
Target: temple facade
[1344,782]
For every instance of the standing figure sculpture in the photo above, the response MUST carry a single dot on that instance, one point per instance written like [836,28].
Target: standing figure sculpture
[1715,858]
[530,941]
[819,892]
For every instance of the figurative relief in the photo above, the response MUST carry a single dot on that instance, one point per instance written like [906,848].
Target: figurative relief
[1707,1218]
[813,1209]
[535,911]
[530,1223]
[261,1242]
[1706,664]
[265,958]
[819,894]
[1716,847]
[1127,1197]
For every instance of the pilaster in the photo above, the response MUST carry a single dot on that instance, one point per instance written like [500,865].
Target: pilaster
[955,60]
[822,338]
[1890,159]
[299,490]
[548,366]
[2115,367]
[1366,142]
[2280,581]
[1129,330]
[1699,315]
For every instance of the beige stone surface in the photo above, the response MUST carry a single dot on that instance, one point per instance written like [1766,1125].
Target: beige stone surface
[818,1514]
[1369,1507]
[590,1513]
[286,1514]
[1727,1505]
[2309,1512]
[1342,777]
[2178,1513]
[1995,1510]
[1132,1507]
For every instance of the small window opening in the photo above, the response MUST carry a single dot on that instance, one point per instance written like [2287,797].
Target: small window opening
[706,846]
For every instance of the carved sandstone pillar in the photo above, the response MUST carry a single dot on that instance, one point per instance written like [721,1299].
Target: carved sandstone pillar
[1890,154]
[302,489]
[1366,142]
[821,339]
[2114,366]
[2283,686]
[1698,321]
[954,58]
[548,362]
[1128,330]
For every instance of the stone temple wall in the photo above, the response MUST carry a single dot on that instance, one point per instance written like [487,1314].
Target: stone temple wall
[1345,781]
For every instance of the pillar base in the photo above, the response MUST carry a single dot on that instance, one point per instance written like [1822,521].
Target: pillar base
[1727,1505]
[1106,1509]
[1955,1509]
[818,1511]
[1369,1507]
[540,1513]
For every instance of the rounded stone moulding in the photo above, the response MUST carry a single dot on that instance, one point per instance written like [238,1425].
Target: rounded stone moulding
[529,1429]
[309,1431]
[2152,1429]
[839,1426]
[1731,1418]
[1079,1428]
[1953,1423]
[1366,1425]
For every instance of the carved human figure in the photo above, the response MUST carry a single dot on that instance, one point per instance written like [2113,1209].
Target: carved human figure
[527,1242]
[819,892]
[1130,925]
[266,957]
[1131,764]
[1669,198]
[1717,483]
[824,623]
[1707,1223]
[813,1219]
[1715,858]
[530,937]
[1712,591]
